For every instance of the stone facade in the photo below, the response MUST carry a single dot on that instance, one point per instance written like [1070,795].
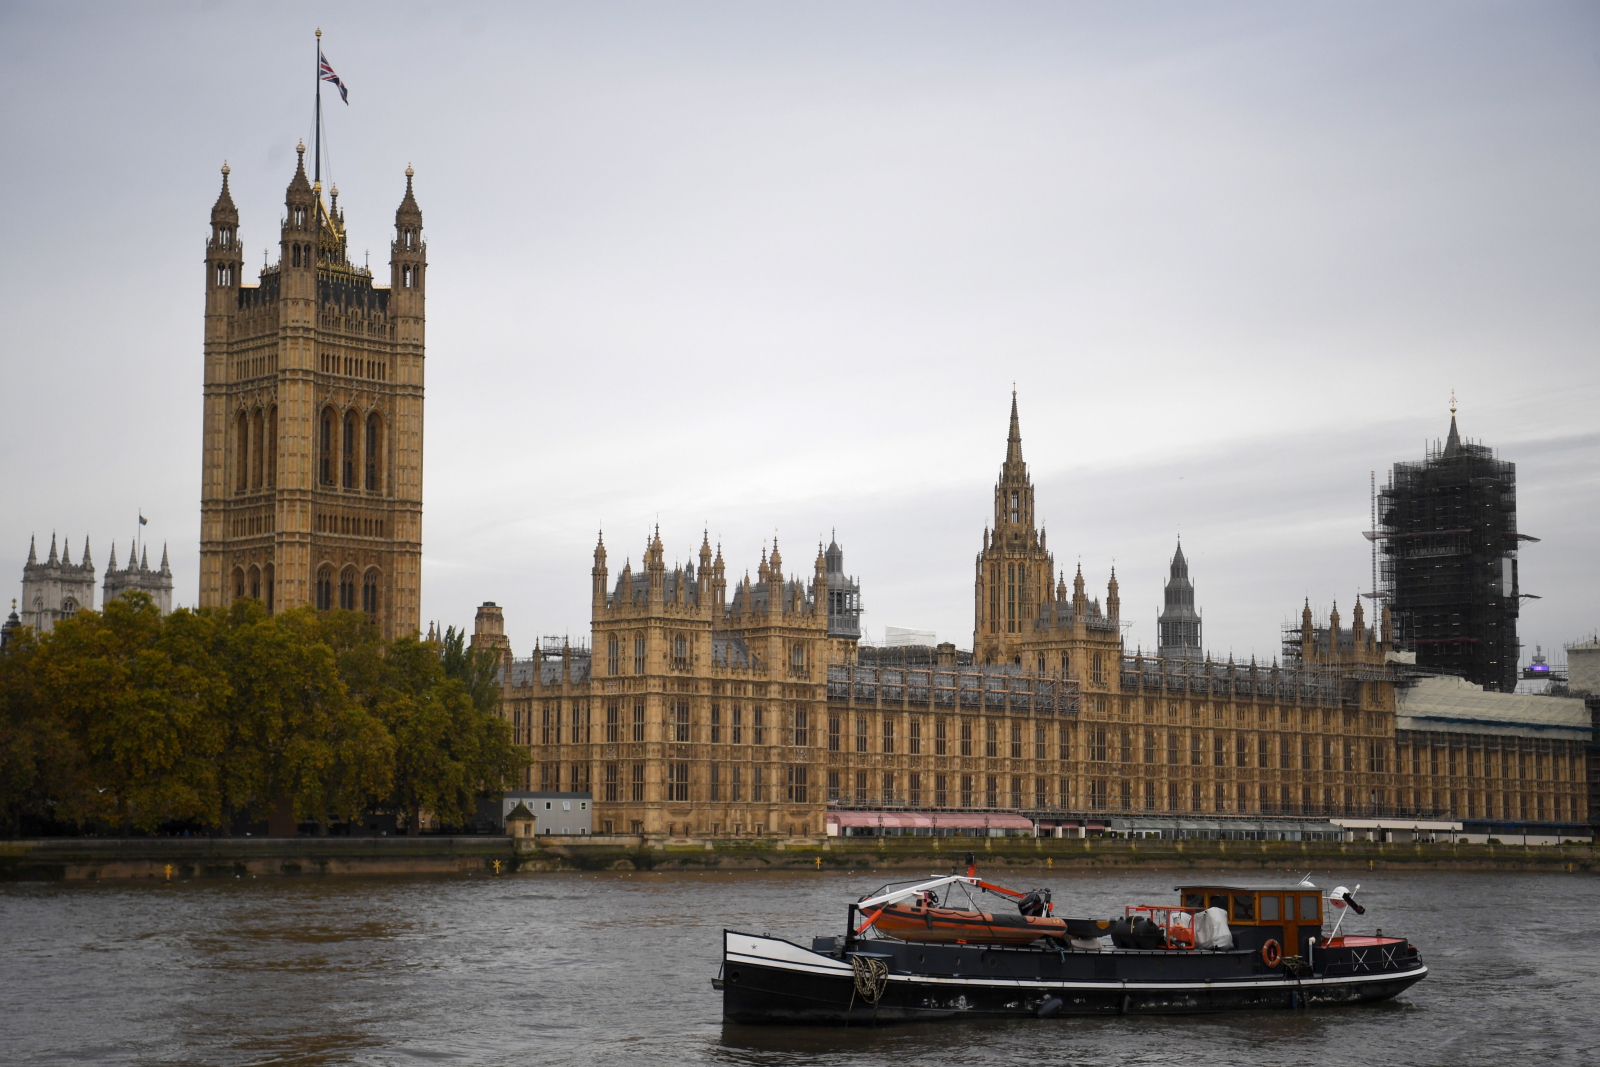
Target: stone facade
[704,711]
[56,588]
[137,577]
[312,450]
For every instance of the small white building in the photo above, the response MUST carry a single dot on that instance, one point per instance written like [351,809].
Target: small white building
[563,814]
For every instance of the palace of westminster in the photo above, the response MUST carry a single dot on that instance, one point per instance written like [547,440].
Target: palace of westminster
[700,710]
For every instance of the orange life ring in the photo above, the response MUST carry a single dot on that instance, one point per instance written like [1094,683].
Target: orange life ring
[1271,953]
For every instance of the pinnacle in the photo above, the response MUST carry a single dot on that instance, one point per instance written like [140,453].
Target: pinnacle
[1014,438]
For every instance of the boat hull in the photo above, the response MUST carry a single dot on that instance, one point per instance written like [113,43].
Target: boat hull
[769,980]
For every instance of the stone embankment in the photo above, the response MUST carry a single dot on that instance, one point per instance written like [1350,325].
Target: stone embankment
[166,858]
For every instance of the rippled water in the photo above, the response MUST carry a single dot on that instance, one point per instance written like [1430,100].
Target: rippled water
[615,968]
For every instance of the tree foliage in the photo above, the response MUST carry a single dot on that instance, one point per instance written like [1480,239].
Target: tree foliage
[130,720]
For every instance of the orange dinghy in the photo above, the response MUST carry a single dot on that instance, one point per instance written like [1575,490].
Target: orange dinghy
[917,921]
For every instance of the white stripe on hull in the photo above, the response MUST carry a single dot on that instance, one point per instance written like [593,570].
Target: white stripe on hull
[788,956]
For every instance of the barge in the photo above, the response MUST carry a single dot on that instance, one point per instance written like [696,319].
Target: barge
[1223,946]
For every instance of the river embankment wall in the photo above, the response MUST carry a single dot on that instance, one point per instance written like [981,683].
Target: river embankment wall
[106,859]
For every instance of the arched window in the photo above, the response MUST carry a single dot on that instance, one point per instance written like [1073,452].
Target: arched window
[238,583]
[347,589]
[255,582]
[374,452]
[369,595]
[325,588]
[325,448]
[269,576]
[409,239]
[69,606]
[257,451]
[299,217]
[1016,507]
[352,430]
[271,443]
[295,255]
[241,449]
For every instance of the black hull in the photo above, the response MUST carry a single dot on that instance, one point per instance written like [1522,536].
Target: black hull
[766,980]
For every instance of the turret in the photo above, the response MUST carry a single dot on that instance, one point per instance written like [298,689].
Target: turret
[297,241]
[1113,601]
[598,576]
[224,259]
[408,265]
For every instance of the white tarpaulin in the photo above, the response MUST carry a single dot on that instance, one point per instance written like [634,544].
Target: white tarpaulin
[1211,929]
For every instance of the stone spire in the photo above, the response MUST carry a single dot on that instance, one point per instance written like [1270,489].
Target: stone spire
[112,565]
[1014,438]
[1452,443]
[33,555]
[54,559]
[85,561]
[165,569]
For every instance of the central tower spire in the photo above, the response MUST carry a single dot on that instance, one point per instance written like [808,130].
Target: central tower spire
[1015,573]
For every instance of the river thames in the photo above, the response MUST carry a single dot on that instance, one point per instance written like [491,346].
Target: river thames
[616,968]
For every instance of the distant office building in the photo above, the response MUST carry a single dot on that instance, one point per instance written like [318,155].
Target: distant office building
[57,588]
[1448,531]
[1179,623]
[896,636]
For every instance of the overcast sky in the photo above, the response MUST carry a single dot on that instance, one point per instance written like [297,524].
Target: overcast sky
[769,268]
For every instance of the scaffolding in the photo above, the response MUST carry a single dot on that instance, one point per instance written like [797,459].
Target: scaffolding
[1447,541]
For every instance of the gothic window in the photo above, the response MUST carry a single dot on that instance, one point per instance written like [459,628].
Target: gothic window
[611,656]
[324,588]
[369,595]
[405,277]
[409,239]
[271,443]
[638,721]
[257,452]
[325,448]
[300,217]
[268,580]
[241,446]
[797,785]
[374,452]
[295,255]
[238,583]
[1011,598]
[680,650]
[940,742]
[638,654]
[1016,506]
[347,589]
[1016,742]
[991,740]
[888,733]
[1097,672]
[255,583]
[801,734]
[941,791]
[758,728]
[351,432]
[227,237]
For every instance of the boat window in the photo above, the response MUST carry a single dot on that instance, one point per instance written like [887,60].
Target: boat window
[1269,907]
[1308,909]
[1244,907]
[1192,899]
[1288,908]
[1219,900]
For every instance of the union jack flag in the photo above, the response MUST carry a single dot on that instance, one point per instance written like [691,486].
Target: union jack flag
[329,76]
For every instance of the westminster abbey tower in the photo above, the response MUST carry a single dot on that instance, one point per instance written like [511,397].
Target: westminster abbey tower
[311,485]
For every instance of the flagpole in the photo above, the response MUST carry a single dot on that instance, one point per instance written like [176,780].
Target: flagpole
[317,165]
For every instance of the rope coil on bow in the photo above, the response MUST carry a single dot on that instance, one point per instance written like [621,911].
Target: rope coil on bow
[872,977]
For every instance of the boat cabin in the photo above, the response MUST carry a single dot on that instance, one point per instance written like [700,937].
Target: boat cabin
[1289,913]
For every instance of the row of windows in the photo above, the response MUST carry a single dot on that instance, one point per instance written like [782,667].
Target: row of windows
[258,583]
[1477,764]
[679,651]
[625,782]
[343,458]
[255,449]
